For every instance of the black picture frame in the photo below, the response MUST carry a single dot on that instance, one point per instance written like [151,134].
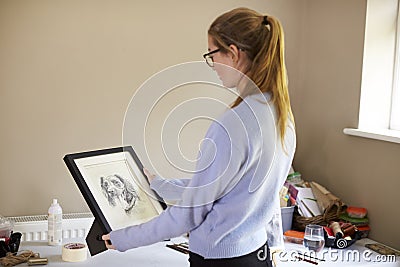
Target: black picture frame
[86,167]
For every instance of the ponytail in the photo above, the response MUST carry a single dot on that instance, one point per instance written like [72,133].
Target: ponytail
[262,38]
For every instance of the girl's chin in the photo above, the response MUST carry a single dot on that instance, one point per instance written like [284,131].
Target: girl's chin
[228,85]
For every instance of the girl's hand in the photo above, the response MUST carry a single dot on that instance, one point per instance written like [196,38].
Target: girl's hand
[149,175]
[107,241]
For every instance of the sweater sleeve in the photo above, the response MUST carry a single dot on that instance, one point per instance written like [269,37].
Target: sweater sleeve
[170,189]
[218,170]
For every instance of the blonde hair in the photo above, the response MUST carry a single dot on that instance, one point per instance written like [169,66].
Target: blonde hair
[262,39]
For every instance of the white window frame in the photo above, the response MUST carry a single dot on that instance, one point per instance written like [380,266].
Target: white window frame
[395,112]
[379,114]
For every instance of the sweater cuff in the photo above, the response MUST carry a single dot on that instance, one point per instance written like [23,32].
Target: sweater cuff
[118,239]
[156,183]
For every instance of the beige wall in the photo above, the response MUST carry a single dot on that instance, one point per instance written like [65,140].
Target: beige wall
[363,172]
[69,68]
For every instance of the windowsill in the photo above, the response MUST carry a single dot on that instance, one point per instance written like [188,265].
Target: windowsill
[384,135]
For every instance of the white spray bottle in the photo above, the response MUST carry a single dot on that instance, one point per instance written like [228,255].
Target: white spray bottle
[54,221]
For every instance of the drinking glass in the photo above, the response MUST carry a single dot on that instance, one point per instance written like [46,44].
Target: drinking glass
[314,237]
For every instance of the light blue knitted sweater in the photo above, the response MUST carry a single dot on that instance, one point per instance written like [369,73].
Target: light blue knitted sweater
[226,204]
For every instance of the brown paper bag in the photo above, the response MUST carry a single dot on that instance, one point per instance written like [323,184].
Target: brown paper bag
[325,199]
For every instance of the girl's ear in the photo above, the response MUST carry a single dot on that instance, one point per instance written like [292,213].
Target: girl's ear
[235,53]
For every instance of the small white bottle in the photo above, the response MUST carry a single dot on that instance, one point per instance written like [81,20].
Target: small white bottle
[54,221]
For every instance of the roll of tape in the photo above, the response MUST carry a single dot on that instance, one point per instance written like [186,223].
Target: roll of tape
[74,252]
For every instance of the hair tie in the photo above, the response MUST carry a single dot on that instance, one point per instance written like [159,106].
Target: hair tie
[265,20]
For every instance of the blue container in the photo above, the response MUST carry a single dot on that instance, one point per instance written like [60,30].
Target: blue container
[287,217]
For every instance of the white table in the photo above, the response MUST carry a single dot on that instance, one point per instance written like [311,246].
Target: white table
[150,256]
[158,255]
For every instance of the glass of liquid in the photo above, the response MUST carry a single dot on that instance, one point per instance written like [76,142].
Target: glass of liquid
[314,237]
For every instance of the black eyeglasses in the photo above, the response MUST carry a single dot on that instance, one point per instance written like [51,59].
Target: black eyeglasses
[209,58]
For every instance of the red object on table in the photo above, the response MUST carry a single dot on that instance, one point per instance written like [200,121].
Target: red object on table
[356,212]
[6,239]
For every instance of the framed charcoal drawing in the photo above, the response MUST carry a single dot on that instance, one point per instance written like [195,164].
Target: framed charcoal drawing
[116,190]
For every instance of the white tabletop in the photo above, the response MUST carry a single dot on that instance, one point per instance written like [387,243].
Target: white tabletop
[159,255]
[150,256]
